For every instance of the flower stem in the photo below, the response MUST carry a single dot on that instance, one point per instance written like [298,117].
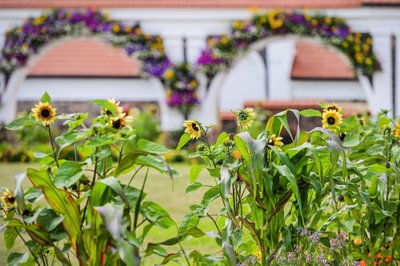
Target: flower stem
[53,146]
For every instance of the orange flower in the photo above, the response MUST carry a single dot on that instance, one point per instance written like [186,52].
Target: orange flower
[236,154]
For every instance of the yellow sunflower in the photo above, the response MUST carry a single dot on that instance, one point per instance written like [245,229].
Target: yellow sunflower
[275,141]
[9,199]
[258,255]
[397,133]
[193,128]
[333,107]
[45,113]
[398,124]
[120,121]
[118,109]
[331,119]
[245,118]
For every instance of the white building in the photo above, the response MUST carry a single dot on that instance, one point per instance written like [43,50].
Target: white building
[283,68]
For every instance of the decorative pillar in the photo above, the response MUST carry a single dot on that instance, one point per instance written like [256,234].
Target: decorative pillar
[280,61]
[381,96]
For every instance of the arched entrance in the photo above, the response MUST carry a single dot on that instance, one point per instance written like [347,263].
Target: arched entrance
[225,52]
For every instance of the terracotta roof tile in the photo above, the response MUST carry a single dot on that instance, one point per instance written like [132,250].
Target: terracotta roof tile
[316,61]
[381,2]
[180,3]
[85,57]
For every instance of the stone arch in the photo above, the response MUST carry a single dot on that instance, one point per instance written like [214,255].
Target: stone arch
[24,45]
[210,104]
[224,51]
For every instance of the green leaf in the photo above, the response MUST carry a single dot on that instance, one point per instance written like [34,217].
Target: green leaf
[100,141]
[151,147]
[112,218]
[9,237]
[61,202]
[46,98]
[156,214]
[189,221]
[129,253]
[210,195]
[68,174]
[195,171]
[15,259]
[351,141]
[20,123]
[221,138]
[114,184]
[225,182]
[193,187]
[105,104]
[285,171]
[310,113]
[182,141]
[127,162]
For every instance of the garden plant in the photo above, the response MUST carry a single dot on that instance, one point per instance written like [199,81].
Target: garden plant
[329,196]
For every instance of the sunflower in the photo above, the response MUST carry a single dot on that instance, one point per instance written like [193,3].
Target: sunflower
[193,128]
[397,133]
[120,121]
[275,141]
[118,109]
[333,107]
[44,113]
[398,125]
[331,118]
[9,199]
[245,118]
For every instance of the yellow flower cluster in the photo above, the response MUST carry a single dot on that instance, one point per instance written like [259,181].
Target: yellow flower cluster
[397,130]
[332,116]
[120,119]
[275,19]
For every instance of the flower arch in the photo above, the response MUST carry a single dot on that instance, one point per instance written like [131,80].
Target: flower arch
[221,51]
[23,41]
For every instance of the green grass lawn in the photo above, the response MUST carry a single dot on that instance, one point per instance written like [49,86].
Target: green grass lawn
[169,194]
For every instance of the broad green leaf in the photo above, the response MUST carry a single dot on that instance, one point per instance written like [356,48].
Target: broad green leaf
[182,141]
[68,174]
[15,258]
[285,171]
[19,192]
[225,182]
[195,171]
[151,147]
[351,141]
[210,195]
[189,221]
[39,154]
[20,123]
[310,113]
[105,104]
[221,138]
[45,98]
[60,200]
[112,218]
[100,141]
[114,184]
[241,145]
[9,237]
[126,163]
[129,253]
[156,214]
[193,187]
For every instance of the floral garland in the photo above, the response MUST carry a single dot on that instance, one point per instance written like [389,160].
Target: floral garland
[221,50]
[23,41]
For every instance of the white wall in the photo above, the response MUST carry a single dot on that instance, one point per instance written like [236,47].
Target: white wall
[328,90]
[245,82]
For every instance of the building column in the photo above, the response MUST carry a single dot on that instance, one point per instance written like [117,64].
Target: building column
[397,73]
[280,62]
[381,96]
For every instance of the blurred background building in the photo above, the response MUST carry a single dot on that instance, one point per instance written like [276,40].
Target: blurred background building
[76,70]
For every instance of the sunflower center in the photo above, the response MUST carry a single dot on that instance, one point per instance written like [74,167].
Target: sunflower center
[11,200]
[45,113]
[117,124]
[195,127]
[331,120]
[243,116]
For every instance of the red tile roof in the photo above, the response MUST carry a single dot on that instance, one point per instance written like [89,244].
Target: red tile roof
[317,62]
[85,57]
[180,3]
